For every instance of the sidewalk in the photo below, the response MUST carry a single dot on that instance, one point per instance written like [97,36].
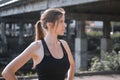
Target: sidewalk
[82,76]
[99,77]
[86,75]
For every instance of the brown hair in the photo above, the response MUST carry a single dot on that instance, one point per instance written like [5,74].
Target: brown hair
[50,15]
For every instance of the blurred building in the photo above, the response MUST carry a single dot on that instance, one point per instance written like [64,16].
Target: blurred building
[18,17]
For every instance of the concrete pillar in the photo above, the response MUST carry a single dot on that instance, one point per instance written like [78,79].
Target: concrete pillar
[21,40]
[80,47]
[13,29]
[106,29]
[10,31]
[70,38]
[106,42]
[33,30]
[3,32]
[3,37]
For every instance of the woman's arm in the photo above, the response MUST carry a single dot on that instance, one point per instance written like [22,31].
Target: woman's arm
[9,71]
[71,60]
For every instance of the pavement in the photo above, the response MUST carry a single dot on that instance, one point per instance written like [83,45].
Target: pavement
[97,77]
[83,76]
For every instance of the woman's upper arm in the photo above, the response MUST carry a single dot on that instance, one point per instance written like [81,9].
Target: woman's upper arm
[21,59]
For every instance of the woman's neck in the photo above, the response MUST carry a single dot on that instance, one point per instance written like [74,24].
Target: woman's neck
[51,38]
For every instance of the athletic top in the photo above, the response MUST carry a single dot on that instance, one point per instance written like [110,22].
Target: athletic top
[51,68]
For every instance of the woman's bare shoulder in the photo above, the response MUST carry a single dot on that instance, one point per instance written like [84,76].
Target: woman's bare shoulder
[63,42]
[36,44]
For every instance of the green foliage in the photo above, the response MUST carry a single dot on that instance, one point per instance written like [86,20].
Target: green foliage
[116,41]
[109,62]
[115,35]
[95,33]
[116,47]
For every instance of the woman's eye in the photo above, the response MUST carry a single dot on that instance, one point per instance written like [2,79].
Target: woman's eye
[62,21]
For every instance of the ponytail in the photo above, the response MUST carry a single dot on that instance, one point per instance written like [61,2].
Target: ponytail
[39,31]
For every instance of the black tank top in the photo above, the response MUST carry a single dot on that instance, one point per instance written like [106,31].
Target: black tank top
[51,68]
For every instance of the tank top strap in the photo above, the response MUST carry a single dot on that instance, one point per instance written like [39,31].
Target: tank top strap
[64,50]
[46,50]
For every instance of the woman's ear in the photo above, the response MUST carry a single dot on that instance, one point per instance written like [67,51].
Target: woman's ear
[49,24]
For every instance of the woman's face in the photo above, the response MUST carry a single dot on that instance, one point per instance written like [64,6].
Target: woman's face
[60,26]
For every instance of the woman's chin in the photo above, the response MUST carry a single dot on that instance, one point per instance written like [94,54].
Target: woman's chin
[61,34]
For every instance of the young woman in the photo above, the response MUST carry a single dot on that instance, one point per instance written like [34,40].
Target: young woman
[52,57]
